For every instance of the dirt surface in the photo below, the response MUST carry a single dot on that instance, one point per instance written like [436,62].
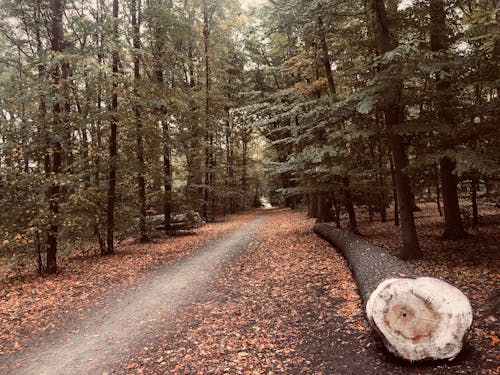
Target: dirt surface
[102,337]
[268,298]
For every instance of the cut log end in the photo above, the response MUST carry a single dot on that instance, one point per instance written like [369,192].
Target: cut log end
[420,318]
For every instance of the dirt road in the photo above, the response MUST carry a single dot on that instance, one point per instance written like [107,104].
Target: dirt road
[103,337]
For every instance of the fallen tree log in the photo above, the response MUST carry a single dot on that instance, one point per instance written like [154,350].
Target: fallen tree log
[182,221]
[417,317]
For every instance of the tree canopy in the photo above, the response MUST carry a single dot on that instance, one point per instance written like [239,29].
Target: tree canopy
[114,110]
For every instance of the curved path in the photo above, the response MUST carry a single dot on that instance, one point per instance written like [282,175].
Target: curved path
[107,334]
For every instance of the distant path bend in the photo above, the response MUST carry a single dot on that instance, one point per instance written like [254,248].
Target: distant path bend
[102,338]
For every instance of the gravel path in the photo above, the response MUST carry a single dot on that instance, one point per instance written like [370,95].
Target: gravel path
[110,332]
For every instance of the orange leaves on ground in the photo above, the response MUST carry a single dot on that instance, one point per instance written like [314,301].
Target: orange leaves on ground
[32,305]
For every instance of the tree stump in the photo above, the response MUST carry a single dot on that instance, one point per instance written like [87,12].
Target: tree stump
[417,317]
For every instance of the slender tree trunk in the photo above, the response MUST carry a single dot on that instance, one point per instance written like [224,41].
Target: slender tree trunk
[326,59]
[167,177]
[332,90]
[452,220]
[208,185]
[42,114]
[113,141]
[411,248]
[244,169]
[57,44]
[338,211]
[383,193]
[135,9]
[230,165]
[349,205]
[438,191]
[439,43]
[98,130]
[473,189]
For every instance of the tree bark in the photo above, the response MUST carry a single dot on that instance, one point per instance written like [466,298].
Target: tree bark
[394,192]
[453,226]
[411,248]
[209,136]
[438,191]
[418,317]
[135,9]
[52,171]
[325,206]
[439,43]
[473,190]
[113,141]
[313,203]
[349,205]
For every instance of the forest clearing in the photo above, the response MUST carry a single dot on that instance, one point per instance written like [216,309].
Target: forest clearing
[249,186]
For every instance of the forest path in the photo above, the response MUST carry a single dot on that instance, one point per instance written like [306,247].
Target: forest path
[110,332]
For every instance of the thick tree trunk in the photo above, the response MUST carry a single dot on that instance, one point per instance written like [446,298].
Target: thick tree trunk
[325,205]
[411,248]
[113,141]
[417,317]
[453,226]
[439,43]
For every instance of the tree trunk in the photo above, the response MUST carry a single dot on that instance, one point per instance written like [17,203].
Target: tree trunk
[473,190]
[349,205]
[313,203]
[325,205]
[438,191]
[453,226]
[167,176]
[411,248]
[418,317]
[394,192]
[230,181]
[439,43]
[209,140]
[135,9]
[113,141]
[383,193]
[326,60]
[244,169]
[52,172]
[97,136]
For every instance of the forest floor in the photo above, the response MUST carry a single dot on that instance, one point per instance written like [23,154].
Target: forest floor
[258,293]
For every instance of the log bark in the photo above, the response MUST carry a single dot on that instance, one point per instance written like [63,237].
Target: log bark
[417,317]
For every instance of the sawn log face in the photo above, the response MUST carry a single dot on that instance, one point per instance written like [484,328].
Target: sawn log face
[417,317]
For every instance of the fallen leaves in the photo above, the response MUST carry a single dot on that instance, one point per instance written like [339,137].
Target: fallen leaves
[31,306]
[289,304]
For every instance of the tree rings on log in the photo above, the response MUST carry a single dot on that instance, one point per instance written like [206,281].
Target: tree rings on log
[420,318]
